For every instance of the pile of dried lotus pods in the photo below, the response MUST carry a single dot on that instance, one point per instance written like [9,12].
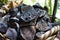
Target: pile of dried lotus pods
[19,21]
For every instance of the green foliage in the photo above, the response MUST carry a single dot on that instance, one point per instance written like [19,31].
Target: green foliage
[57,20]
[4,1]
[58,3]
[50,5]
[33,1]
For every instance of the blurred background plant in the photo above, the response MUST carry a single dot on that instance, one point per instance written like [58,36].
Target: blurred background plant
[2,2]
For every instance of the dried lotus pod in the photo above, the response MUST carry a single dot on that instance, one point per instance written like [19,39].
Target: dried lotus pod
[3,26]
[32,22]
[40,10]
[28,13]
[11,34]
[42,25]
[38,34]
[28,33]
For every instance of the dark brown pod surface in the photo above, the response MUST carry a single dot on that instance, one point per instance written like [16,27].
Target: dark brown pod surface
[28,32]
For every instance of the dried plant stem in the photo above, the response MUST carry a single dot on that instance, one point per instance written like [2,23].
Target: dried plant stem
[3,37]
[49,33]
[51,38]
[9,5]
